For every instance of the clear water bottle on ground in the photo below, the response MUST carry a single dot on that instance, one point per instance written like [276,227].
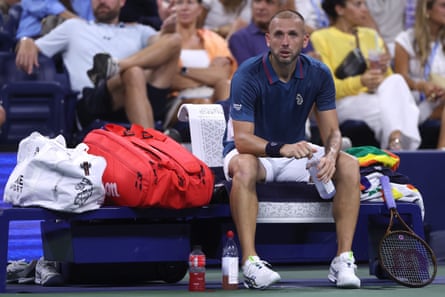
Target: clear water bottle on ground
[197,269]
[230,263]
[325,190]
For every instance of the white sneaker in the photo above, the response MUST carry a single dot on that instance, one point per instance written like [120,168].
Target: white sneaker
[342,271]
[20,271]
[47,273]
[257,274]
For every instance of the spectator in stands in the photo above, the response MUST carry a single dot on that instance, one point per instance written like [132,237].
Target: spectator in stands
[220,15]
[137,83]
[377,96]
[265,143]
[390,18]
[6,4]
[147,12]
[2,116]
[250,41]
[227,16]
[420,59]
[36,12]
[206,63]
[9,18]
[314,15]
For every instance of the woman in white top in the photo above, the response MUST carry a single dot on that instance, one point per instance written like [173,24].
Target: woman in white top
[419,55]
[206,64]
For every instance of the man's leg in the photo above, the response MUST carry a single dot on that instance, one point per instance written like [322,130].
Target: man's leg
[441,140]
[347,200]
[126,92]
[155,65]
[161,58]
[164,51]
[244,201]
[246,170]
[136,103]
[345,211]
[2,115]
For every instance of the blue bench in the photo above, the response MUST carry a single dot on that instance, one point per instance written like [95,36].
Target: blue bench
[150,235]
[164,235]
[127,235]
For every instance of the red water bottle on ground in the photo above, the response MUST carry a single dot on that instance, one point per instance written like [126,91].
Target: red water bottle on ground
[197,269]
[230,263]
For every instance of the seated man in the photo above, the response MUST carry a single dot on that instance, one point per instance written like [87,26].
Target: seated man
[271,98]
[250,41]
[141,82]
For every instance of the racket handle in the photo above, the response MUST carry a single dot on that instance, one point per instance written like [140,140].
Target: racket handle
[387,192]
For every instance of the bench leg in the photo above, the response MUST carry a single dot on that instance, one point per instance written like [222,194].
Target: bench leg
[4,236]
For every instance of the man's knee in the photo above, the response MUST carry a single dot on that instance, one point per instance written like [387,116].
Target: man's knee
[244,167]
[348,168]
[174,41]
[133,75]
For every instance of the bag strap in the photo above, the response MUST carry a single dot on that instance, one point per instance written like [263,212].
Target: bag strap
[183,179]
[168,146]
[135,140]
[162,143]
[118,129]
[163,158]
[357,41]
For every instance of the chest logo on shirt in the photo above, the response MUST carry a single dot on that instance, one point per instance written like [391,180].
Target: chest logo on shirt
[299,99]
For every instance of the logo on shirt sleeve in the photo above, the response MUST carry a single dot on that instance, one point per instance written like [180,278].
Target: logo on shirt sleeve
[237,106]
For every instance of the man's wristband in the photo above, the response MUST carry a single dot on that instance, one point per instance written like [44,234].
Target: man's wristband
[273,149]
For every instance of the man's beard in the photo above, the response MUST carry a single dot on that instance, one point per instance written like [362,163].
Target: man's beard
[106,17]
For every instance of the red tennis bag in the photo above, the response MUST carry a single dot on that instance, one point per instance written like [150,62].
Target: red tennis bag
[147,168]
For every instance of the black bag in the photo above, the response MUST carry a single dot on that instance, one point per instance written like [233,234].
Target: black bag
[353,64]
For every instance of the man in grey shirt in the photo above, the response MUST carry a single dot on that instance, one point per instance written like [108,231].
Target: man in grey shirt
[144,62]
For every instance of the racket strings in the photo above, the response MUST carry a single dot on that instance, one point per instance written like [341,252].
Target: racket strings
[406,258]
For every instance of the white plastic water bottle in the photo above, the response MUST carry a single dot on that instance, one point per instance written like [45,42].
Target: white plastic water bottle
[230,262]
[325,190]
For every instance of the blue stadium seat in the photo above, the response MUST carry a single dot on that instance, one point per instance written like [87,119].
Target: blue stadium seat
[8,28]
[6,39]
[41,101]
[360,133]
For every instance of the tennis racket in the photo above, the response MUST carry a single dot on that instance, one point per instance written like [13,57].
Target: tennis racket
[405,256]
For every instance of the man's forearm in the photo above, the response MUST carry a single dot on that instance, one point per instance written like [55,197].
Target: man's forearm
[333,145]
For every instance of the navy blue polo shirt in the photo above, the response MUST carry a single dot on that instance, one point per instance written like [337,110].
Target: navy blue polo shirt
[279,110]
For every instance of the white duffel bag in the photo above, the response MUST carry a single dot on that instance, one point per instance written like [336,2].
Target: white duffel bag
[50,175]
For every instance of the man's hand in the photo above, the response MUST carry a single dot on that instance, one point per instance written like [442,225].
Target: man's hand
[326,168]
[165,8]
[169,24]
[27,55]
[299,150]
